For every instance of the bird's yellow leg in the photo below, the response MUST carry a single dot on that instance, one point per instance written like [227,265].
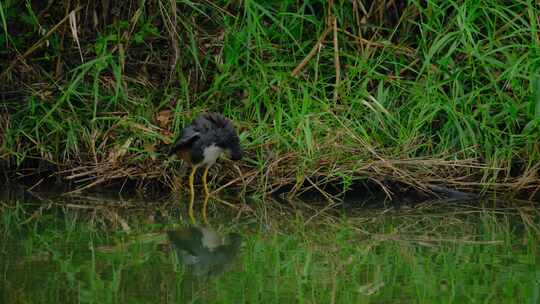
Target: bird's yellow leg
[192,193]
[206,194]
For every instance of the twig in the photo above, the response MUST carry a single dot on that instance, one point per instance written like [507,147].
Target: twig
[232,182]
[224,202]
[311,53]
[323,210]
[398,49]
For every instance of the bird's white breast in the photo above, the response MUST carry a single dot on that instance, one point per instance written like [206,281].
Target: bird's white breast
[210,239]
[211,154]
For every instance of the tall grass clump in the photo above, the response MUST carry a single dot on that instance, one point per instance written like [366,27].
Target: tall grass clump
[416,93]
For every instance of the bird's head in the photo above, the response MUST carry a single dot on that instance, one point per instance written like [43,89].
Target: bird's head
[230,143]
[234,150]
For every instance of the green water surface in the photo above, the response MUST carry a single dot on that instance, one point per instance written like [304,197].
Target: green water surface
[430,253]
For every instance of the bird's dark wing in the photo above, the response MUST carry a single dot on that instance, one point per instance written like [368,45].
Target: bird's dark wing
[189,134]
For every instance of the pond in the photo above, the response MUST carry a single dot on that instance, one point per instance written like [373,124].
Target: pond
[97,249]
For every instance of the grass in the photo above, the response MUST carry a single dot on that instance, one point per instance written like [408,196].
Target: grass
[457,253]
[410,92]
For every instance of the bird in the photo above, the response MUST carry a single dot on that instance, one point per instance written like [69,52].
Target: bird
[203,250]
[201,143]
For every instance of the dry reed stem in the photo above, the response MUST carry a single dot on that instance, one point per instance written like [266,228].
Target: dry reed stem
[75,32]
[423,174]
[336,59]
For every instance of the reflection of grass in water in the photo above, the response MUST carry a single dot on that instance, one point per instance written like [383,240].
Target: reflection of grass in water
[467,255]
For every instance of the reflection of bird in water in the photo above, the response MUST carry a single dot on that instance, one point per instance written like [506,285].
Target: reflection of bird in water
[203,250]
[201,143]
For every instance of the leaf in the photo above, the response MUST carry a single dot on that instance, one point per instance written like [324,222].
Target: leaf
[371,288]
[74,33]
[163,118]
[536,93]
[151,150]
[119,151]
[4,23]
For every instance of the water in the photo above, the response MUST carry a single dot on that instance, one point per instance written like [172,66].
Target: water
[65,249]
[101,249]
